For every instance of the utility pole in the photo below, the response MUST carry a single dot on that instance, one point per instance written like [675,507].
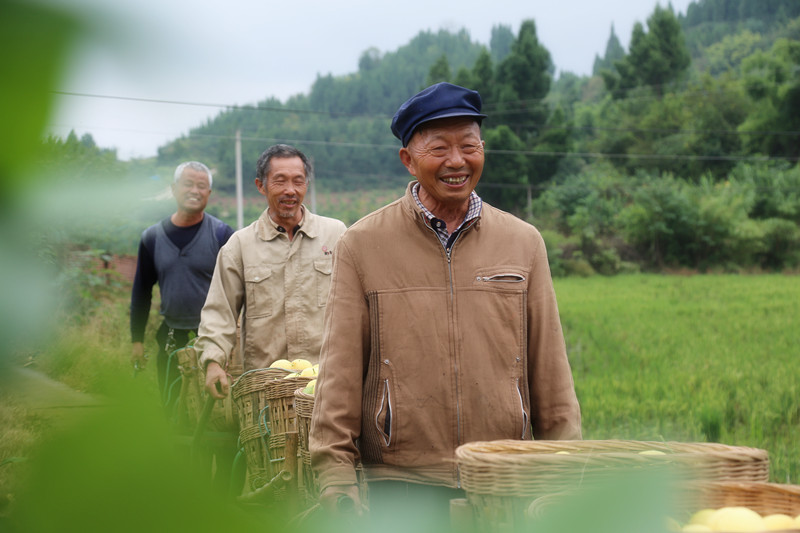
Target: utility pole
[239,198]
[311,183]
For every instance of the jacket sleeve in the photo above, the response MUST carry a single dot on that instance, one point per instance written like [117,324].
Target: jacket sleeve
[142,293]
[336,420]
[217,331]
[555,413]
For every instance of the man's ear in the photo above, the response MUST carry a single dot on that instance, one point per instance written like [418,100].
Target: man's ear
[405,158]
[260,186]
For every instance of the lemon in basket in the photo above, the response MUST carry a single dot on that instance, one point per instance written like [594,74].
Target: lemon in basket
[300,364]
[701,517]
[310,387]
[283,364]
[735,520]
[310,372]
[778,522]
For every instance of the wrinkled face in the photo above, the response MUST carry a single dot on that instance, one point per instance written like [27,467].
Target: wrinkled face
[191,191]
[446,156]
[285,188]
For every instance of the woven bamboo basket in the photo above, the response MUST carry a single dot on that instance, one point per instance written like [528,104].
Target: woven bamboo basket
[193,397]
[304,407]
[502,478]
[688,498]
[763,498]
[265,401]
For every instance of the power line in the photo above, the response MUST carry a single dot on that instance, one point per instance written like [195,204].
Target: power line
[590,155]
[334,114]
[229,107]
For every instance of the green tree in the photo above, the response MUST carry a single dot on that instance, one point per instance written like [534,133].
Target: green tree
[523,80]
[727,54]
[552,143]
[464,78]
[772,81]
[483,76]
[500,42]
[439,71]
[656,57]
[614,52]
[369,60]
[504,181]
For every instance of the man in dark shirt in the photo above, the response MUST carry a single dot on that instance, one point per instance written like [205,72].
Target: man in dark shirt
[179,254]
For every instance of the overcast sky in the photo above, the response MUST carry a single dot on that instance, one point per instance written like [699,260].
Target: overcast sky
[239,52]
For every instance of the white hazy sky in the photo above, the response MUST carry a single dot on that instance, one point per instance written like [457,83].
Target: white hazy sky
[239,52]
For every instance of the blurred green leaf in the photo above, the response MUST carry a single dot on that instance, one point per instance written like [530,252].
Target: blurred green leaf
[36,41]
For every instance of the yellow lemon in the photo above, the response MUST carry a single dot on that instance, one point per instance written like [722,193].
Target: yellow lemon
[310,387]
[310,372]
[736,520]
[778,521]
[300,364]
[284,364]
[292,375]
[701,516]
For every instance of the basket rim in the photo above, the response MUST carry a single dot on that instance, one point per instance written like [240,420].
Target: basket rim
[523,451]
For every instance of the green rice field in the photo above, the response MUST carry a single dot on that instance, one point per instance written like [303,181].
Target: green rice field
[688,358]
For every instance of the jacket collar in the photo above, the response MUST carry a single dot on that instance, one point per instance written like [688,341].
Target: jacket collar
[267,229]
[412,209]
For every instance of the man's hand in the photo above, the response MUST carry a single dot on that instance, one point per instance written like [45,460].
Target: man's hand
[217,382]
[341,500]
[138,358]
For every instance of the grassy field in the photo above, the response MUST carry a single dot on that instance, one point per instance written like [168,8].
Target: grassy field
[697,358]
[672,358]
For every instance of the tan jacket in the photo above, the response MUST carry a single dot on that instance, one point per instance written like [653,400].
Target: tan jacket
[424,352]
[280,285]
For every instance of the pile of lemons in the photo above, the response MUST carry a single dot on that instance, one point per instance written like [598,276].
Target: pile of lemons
[737,519]
[299,368]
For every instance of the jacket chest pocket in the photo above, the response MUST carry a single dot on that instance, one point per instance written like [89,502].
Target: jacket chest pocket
[322,275]
[261,291]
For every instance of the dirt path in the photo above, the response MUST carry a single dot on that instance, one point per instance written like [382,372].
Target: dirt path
[40,393]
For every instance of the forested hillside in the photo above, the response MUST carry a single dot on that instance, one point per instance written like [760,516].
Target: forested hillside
[681,150]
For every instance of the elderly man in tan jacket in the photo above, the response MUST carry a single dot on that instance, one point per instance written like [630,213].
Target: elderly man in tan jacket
[276,272]
[442,328]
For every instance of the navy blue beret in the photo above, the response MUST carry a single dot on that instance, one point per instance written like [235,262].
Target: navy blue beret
[437,101]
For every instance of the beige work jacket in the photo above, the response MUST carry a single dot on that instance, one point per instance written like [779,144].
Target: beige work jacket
[279,286]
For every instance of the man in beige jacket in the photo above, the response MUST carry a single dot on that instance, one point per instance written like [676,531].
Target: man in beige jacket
[275,273]
[442,328]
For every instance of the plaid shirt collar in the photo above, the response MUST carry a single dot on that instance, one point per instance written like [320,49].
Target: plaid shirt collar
[473,212]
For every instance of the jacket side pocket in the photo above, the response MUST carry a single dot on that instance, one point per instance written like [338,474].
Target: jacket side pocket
[525,418]
[383,416]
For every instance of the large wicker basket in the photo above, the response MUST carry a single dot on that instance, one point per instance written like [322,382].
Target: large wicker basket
[193,397]
[502,478]
[304,407]
[763,498]
[265,402]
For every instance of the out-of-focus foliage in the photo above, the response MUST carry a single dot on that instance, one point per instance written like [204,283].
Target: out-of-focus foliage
[36,41]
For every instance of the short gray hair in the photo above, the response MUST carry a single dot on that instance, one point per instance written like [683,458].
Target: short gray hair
[281,151]
[194,165]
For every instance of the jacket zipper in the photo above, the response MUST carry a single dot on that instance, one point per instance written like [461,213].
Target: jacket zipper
[455,364]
